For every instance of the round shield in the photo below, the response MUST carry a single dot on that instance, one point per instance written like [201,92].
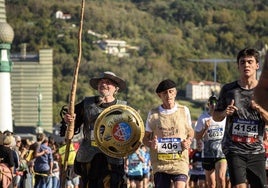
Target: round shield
[118,131]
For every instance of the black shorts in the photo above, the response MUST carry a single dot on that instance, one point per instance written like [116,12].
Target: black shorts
[247,167]
[195,178]
[209,163]
[146,175]
[135,178]
[162,179]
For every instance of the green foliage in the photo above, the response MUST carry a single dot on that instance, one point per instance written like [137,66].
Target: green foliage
[168,33]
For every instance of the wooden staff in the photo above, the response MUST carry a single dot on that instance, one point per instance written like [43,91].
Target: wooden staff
[70,130]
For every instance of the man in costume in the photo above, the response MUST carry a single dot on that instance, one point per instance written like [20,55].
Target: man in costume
[96,168]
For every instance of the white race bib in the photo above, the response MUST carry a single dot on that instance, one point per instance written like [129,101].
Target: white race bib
[215,134]
[169,145]
[246,128]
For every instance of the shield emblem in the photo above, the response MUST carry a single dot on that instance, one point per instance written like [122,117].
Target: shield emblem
[118,131]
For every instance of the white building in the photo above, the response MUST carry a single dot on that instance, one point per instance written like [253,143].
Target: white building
[114,47]
[201,90]
[63,16]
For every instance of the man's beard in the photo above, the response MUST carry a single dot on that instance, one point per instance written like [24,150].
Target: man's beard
[106,94]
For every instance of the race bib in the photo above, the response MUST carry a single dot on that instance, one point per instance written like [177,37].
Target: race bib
[245,131]
[169,148]
[215,134]
[134,163]
[198,166]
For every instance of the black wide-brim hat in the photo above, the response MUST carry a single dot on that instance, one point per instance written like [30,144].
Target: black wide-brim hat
[111,76]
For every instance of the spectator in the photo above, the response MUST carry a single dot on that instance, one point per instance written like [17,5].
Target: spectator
[43,162]
[26,166]
[52,144]
[56,171]
[6,161]
[71,178]
[17,179]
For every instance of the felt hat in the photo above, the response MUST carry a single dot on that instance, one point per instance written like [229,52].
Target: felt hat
[108,75]
[165,85]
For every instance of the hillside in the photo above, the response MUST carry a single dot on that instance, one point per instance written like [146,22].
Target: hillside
[168,33]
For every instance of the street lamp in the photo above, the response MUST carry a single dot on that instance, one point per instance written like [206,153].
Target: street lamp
[39,99]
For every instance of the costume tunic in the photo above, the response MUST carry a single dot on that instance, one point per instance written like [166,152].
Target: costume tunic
[171,127]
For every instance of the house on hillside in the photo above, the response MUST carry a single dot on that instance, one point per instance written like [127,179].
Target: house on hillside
[114,47]
[201,90]
[118,48]
[63,16]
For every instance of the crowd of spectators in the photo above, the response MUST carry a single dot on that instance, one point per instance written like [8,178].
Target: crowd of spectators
[36,163]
